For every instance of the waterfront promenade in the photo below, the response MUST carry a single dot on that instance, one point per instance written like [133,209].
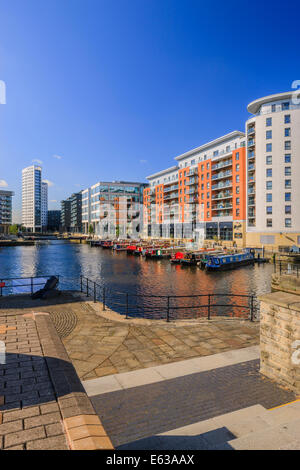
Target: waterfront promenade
[161,376]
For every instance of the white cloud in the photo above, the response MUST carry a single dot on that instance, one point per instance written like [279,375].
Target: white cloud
[50,183]
[58,157]
[3,184]
[53,200]
[143,161]
[36,160]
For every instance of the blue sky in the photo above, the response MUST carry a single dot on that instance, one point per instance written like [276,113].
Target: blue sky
[109,90]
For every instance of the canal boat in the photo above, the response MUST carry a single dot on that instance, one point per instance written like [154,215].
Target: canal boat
[107,244]
[177,257]
[232,261]
[192,259]
[131,249]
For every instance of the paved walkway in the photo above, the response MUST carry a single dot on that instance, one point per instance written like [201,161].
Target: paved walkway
[221,385]
[43,405]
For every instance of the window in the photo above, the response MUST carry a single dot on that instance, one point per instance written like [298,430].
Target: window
[237,190]
[237,167]
[287,158]
[237,178]
[237,212]
[207,196]
[202,186]
[288,222]
[269,210]
[287,145]
[273,108]
[207,185]
[269,197]
[237,155]
[288,183]
[216,153]
[193,162]
[208,214]
[288,197]
[269,222]
[269,135]
[287,132]
[269,172]
[228,148]
[207,166]
[269,122]
[287,171]
[207,176]
[285,106]
[202,167]
[269,160]
[288,209]
[269,148]
[207,205]
[268,184]
[287,119]
[237,201]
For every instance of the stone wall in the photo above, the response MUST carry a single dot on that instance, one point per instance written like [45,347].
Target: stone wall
[280,338]
[286,282]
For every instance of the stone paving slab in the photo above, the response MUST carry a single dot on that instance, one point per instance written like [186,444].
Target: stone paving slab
[168,371]
[135,413]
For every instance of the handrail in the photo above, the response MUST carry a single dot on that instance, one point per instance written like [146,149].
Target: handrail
[90,287]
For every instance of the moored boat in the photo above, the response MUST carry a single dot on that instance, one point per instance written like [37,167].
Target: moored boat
[232,261]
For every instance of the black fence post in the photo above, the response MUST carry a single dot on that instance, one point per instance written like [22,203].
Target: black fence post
[168,310]
[251,308]
[127,306]
[208,307]
[80,282]
[103,299]
[94,292]
[87,287]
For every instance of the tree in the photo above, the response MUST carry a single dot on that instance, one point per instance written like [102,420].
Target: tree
[13,229]
[91,229]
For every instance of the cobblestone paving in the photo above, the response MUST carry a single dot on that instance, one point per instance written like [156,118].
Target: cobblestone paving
[100,346]
[139,412]
[29,414]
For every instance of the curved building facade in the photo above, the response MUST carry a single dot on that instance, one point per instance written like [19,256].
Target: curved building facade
[273,171]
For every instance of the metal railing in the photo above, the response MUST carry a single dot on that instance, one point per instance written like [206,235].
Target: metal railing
[171,307]
[22,285]
[287,268]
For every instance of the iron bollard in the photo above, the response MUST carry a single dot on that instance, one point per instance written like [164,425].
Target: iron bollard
[103,299]
[208,307]
[87,287]
[168,310]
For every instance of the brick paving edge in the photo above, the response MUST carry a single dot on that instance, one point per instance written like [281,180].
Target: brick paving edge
[83,428]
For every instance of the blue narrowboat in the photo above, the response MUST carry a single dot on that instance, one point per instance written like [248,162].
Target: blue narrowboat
[221,263]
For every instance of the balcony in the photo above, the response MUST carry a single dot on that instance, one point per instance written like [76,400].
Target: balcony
[192,181]
[225,195]
[221,207]
[225,184]
[251,167]
[221,175]
[251,143]
[251,155]
[221,165]
[251,131]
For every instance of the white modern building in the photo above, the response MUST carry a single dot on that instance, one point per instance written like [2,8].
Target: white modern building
[5,211]
[44,205]
[273,171]
[32,198]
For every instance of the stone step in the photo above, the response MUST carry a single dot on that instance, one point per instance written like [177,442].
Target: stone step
[206,434]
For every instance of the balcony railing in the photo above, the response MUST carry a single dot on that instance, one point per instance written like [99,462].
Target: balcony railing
[221,175]
[221,165]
